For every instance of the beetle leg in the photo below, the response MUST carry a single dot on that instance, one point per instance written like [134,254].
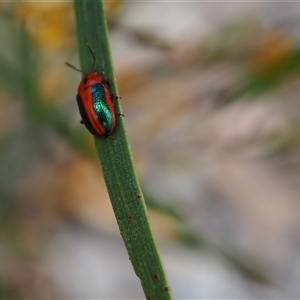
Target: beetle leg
[115,97]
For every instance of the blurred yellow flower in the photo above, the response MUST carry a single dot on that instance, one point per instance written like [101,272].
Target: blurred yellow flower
[49,24]
[112,8]
[273,52]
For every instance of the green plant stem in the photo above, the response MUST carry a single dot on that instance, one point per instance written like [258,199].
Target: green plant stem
[116,160]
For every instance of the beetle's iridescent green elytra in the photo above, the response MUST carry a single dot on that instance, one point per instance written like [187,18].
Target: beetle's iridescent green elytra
[101,108]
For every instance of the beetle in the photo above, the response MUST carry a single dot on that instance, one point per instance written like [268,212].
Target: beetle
[95,102]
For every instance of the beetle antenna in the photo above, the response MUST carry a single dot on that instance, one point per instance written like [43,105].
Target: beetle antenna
[93,55]
[71,66]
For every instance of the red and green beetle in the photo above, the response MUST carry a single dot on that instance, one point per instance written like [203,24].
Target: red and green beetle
[95,102]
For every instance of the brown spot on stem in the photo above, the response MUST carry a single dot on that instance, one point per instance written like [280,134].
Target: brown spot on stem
[156,276]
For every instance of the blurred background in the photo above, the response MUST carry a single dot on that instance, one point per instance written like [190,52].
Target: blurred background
[211,97]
